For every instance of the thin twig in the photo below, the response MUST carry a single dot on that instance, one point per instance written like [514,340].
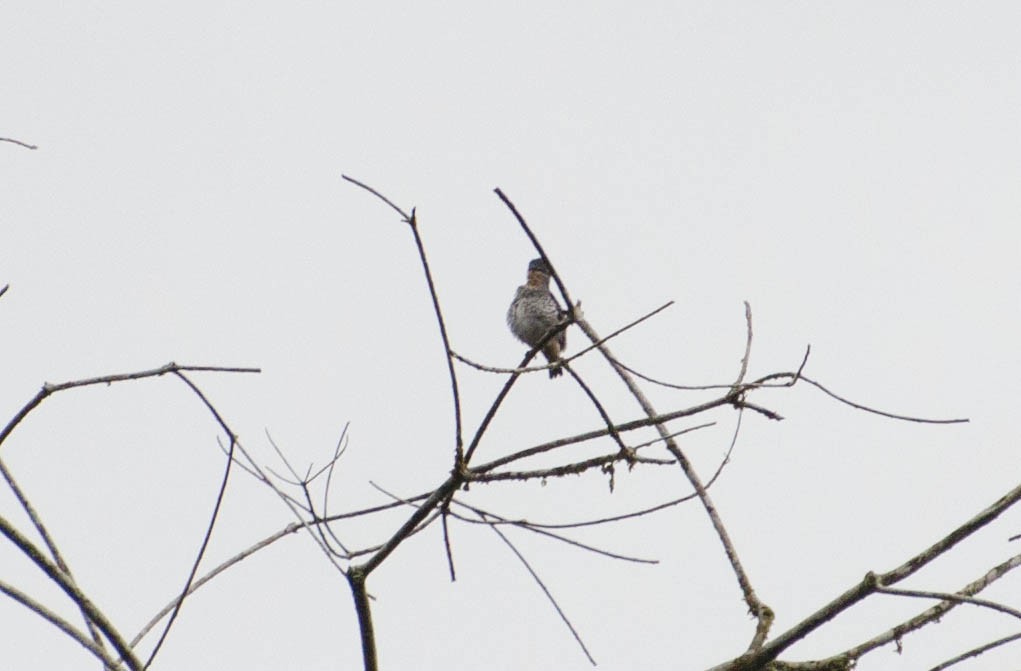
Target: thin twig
[947,596]
[421,512]
[58,558]
[60,623]
[57,576]
[747,347]
[303,484]
[568,303]
[542,586]
[610,427]
[975,652]
[494,406]
[882,413]
[338,452]
[533,369]
[220,568]
[760,610]
[599,433]
[18,142]
[444,513]
[412,221]
[212,518]
[542,532]
[50,389]
[65,580]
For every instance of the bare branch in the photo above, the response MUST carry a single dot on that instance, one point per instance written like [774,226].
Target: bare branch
[60,623]
[445,513]
[412,221]
[858,406]
[220,568]
[57,576]
[495,405]
[212,518]
[437,496]
[532,369]
[338,452]
[763,614]
[610,427]
[377,194]
[747,347]
[538,247]
[49,389]
[871,582]
[489,517]
[58,559]
[542,586]
[575,468]
[946,596]
[933,614]
[599,433]
[18,142]
[975,652]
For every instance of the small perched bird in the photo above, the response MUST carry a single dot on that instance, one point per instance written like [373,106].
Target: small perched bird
[534,312]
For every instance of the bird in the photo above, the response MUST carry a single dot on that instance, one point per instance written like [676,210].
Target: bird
[534,312]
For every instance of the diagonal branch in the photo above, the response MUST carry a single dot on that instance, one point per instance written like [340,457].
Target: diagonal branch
[762,613]
[933,614]
[538,247]
[975,652]
[545,590]
[51,545]
[599,433]
[870,584]
[95,647]
[54,573]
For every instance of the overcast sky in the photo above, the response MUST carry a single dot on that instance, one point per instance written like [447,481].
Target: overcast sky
[850,169]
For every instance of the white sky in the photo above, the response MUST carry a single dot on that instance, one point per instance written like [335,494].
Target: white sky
[851,169]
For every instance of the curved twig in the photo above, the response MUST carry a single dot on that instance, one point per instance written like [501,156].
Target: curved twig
[212,518]
[412,221]
[18,142]
[882,413]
